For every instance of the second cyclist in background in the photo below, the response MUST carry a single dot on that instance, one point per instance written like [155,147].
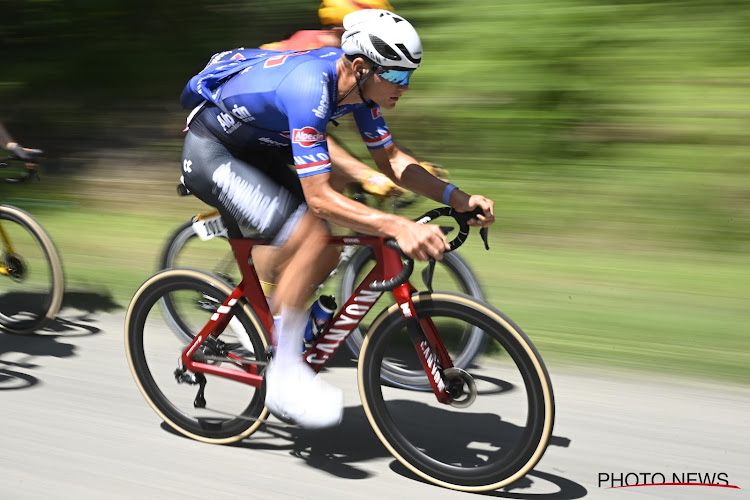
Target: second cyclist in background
[346,167]
[8,143]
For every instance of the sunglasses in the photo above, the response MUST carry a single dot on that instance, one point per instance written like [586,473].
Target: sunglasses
[397,76]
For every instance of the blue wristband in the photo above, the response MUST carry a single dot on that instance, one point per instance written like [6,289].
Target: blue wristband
[447,193]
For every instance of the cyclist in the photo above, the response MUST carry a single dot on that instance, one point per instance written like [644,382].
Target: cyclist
[7,142]
[345,167]
[256,112]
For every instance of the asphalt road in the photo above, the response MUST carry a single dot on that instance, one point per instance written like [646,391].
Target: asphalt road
[75,426]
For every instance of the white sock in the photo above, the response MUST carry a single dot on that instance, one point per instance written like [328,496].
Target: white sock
[291,336]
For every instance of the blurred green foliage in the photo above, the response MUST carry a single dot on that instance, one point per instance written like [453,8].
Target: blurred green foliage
[611,134]
[647,97]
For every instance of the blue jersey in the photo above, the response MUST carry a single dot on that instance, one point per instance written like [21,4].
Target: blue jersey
[276,99]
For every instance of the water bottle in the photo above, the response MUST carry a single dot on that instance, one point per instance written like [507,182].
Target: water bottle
[320,314]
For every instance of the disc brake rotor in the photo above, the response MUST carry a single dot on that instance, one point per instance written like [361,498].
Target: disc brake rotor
[16,267]
[462,387]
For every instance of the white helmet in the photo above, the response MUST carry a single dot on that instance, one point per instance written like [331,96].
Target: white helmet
[383,37]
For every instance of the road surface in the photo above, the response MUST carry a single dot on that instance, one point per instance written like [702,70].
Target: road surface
[75,426]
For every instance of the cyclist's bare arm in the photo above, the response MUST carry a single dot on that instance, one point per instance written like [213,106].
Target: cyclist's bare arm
[419,241]
[405,170]
[7,142]
[5,138]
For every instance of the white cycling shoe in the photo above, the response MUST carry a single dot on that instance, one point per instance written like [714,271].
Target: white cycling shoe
[295,395]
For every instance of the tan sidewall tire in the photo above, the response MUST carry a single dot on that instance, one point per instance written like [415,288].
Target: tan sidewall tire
[58,285]
[522,340]
[222,287]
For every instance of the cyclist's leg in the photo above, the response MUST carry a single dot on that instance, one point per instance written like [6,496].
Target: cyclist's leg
[270,260]
[269,199]
[255,198]
[303,261]
[293,393]
[237,187]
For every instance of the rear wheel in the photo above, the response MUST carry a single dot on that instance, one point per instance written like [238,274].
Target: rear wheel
[501,418]
[185,249]
[31,275]
[232,410]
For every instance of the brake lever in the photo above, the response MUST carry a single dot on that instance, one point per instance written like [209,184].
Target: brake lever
[429,271]
[484,233]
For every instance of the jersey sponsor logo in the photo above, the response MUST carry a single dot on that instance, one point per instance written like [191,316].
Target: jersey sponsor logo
[219,57]
[322,110]
[222,56]
[299,160]
[340,111]
[227,122]
[242,113]
[374,140]
[270,142]
[307,137]
[244,198]
[279,60]
[312,164]
[376,112]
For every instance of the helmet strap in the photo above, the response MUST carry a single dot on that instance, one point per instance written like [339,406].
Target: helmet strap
[360,82]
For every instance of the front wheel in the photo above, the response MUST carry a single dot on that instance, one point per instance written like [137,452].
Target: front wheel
[31,275]
[230,410]
[501,418]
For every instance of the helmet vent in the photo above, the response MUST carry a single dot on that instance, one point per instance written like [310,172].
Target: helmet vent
[402,47]
[384,49]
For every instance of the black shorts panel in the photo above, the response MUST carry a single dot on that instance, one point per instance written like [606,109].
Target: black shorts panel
[259,190]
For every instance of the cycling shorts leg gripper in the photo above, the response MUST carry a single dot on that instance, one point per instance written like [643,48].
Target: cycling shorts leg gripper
[239,189]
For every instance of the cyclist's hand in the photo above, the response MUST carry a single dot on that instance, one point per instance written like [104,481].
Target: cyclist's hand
[27,155]
[477,201]
[435,169]
[379,185]
[422,241]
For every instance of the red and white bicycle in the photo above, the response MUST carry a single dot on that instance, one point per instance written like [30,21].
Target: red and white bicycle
[472,429]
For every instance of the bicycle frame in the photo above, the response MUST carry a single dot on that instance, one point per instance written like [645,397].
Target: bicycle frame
[5,248]
[427,342]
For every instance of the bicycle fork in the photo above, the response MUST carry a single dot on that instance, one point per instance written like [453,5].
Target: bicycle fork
[431,350]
